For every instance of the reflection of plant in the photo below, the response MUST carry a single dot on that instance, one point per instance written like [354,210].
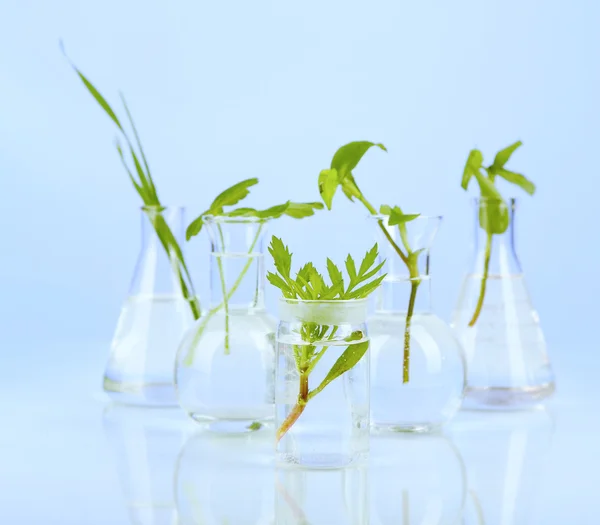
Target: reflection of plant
[144,185]
[493,210]
[230,197]
[340,174]
[309,285]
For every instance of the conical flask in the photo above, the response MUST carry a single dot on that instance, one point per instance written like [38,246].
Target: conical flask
[160,307]
[507,363]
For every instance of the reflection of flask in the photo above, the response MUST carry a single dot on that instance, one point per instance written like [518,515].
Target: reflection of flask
[225,481]
[225,364]
[322,497]
[161,305]
[498,326]
[146,443]
[416,480]
[505,455]
[417,365]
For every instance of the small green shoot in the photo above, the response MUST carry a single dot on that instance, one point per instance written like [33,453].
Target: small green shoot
[339,174]
[493,210]
[309,285]
[144,184]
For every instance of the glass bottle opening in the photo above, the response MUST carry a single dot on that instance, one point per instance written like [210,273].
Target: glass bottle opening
[332,312]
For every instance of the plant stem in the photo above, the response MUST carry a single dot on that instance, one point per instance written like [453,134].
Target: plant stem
[486,269]
[223,288]
[296,412]
[190,356]
[414,284]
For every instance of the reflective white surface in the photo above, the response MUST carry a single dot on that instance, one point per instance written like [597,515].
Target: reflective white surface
[67,456]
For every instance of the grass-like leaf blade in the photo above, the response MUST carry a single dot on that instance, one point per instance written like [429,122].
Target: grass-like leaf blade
[472,166]
[503,156]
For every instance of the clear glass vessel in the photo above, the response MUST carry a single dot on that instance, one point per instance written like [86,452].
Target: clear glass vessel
[417,479]
[317,497]
[225,481]
[500,331]
[160,307]
[224,373]
[322,423]
[417,365]
[145,443]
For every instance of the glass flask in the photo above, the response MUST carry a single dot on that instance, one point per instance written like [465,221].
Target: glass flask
[160,307]
[146,443]
[225,481]
[495,320]
[417,366]
[416,479]
[507,455]
[322,497]
[224,373]
[322,415]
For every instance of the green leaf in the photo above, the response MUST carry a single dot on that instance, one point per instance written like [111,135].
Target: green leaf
[349,358]
[304,272]
[299,210]
[281,256]
[350,188]
[384,209]
[397,217]
[365,290]
[348,156]
[368,260]
[335,274]
[493,211]
[328,183]
[473,165]
[280,283]
[232,195]
[195,226]
[518,179]
[503,156]
[351,267]
[274,212]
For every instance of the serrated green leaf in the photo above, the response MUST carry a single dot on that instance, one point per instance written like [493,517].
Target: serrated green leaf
[351,267]
[397,217]
[274,212]
[241,212]
[368,260]
[282,257]
[365,290]
[317,282]
[503,156]
[232,195]
[335,274]
[518,179]
[304,272]
[472,166]
[349,358]
[195,227]
[328,183]
[280,283]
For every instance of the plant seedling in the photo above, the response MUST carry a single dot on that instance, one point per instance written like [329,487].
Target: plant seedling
[340,174]
[493,210]
[310,285]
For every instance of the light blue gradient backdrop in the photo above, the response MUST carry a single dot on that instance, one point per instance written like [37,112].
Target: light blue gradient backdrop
[228,90]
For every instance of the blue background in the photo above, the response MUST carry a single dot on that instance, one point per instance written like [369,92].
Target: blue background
[223,91]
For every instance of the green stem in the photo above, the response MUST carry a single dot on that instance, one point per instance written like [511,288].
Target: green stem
[486,269]
[189,359]
[296,412]
[223,288]
[414,284]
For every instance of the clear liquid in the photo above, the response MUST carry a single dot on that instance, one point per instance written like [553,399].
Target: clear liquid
[141,363]
[505,349]
[436,373]
[333,429]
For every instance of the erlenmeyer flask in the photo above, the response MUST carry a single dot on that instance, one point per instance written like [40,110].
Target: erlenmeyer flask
[160,307]
[507,363]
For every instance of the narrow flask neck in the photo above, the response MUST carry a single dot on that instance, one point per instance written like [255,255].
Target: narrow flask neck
[237,265]
[395,295]
[162,226]
[495,252]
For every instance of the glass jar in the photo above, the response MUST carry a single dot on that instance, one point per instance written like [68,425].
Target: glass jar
[500,330]
[417,365]
[224,371]
[322,383]
[160,307]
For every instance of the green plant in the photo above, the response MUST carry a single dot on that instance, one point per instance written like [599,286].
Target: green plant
[230,197]
[310,285]
[145,187]
[493,211]
[340,174]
